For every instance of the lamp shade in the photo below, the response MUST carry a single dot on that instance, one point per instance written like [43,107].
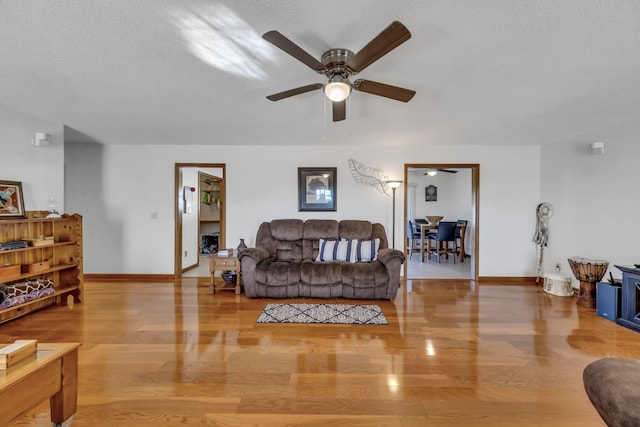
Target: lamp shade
[394,184]
[338,89]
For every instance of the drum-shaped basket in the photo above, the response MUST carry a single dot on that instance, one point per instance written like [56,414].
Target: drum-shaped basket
[588,270]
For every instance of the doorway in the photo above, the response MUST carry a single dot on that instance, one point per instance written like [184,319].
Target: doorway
[449,190]
[188,201]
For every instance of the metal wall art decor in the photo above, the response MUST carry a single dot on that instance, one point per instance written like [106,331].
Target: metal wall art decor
[431,193]
[541,236]
[369,176]
[11,200]
[317,189]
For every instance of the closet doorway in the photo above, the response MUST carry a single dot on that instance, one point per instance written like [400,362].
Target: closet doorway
[200,209]
[451,191]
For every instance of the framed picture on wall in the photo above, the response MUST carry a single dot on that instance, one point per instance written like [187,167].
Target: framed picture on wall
[11,200]
[431,193]
[317,189]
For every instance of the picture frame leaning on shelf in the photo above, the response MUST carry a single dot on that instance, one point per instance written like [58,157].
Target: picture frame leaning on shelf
[11,200]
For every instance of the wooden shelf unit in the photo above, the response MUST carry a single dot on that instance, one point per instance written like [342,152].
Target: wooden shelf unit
[64,256]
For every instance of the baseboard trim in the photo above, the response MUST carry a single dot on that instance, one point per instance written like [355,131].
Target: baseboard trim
[500,280]
[493,280]
[129,277]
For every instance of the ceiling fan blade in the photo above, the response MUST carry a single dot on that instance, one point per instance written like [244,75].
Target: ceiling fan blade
[381,89]
[390,38]
[433,171]
[339,111]
[293,92]
[278,40]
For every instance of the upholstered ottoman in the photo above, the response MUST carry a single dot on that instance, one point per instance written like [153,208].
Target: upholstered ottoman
[613,386]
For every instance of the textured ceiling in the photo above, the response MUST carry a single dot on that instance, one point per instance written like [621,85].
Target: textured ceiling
[197,72]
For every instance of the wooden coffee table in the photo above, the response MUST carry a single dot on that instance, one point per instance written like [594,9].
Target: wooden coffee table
[51,374]
[222,263]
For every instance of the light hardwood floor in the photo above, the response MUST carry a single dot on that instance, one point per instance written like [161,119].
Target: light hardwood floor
[432,269]
[454,354]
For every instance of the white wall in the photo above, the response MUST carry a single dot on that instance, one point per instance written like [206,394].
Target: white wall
[262,185]
[454,194]
[116,187]
[40,169]
[595,201]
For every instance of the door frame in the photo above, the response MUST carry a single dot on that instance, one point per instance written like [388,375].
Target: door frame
[475,205]
[177,257]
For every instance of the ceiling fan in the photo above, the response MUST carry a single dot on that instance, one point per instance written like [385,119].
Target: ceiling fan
[434,171]
[340,64]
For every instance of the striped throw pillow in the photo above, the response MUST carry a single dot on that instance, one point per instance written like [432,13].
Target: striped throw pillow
[336,250]
[367,250]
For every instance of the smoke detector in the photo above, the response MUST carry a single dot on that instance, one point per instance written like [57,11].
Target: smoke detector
[598,148]
[41,139]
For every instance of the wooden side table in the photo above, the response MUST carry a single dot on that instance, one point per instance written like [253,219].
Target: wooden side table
[52,374]
[223,263]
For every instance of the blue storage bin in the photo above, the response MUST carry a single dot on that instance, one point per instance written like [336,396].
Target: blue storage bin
[608,300]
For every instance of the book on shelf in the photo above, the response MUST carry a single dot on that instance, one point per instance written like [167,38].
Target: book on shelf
[18,244]
[39,241]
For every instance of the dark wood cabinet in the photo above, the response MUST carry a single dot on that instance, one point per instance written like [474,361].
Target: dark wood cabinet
[630,316]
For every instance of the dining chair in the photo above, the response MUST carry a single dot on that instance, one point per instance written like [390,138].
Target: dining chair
[458,237]
[446,233]
[417,226]
[413,237]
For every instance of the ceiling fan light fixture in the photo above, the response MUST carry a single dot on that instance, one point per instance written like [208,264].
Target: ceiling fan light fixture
[432,172]
[338,88]
[339,64]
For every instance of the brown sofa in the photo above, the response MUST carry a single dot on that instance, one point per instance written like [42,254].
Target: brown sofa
[285,261]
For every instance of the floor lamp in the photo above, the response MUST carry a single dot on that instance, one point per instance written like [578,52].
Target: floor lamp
[394,186]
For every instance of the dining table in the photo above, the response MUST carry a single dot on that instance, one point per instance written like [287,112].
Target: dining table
[426,227]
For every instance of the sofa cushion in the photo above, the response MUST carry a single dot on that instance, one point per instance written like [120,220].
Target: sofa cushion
[321,273]
[277,279]
[355,229]
[364,280]
[321,279]
[288,251]
[287,229]
[283,273]
[336,250]
[315,229]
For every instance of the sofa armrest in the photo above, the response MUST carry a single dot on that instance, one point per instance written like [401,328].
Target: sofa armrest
[249,259]
[392,259]
[257,254]
[386,255]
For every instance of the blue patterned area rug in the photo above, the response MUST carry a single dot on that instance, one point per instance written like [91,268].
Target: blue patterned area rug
[347,314]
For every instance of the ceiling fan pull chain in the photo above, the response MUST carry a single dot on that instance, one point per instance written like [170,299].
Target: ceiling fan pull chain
[324,111]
